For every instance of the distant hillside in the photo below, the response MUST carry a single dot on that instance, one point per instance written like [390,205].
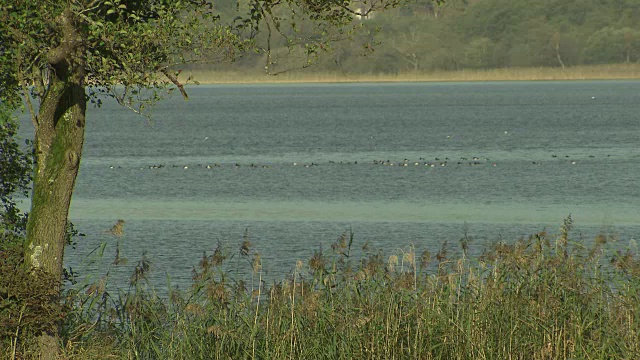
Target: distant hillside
[478,34]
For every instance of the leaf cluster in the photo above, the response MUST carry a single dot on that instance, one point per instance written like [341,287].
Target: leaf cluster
[116,42]
[15,177]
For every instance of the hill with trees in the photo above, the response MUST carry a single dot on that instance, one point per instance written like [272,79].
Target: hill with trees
[421,36]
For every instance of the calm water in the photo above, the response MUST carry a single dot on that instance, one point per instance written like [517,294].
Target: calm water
[297,165]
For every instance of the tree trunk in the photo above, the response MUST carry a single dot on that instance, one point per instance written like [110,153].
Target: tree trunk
[556,38]
[59,137]
[58,141]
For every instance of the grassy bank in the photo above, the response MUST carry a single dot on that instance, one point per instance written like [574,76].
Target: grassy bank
[541,297]
[598,72]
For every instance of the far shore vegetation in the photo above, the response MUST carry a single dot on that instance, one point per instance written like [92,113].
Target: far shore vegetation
[583,72]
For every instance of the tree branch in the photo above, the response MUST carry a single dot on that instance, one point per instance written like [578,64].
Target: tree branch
[175,81]
[26,94]
[356,12]
[69,43]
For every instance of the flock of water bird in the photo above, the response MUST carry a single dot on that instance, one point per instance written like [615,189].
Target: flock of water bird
[421,162]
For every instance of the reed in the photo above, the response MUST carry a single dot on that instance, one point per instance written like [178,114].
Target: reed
[541,297]
[586,72]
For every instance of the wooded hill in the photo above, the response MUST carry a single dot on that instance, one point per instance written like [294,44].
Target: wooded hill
[474,34]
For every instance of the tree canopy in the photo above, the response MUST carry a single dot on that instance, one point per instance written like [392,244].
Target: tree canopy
[136,44]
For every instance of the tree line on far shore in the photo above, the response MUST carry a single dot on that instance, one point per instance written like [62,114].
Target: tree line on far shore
[421,36]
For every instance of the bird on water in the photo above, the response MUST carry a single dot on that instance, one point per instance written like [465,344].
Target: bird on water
[116,229]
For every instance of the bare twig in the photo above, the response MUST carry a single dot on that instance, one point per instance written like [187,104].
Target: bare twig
[175,81]
[26,94]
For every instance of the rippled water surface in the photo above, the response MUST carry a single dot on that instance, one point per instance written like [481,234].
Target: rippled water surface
[398,164]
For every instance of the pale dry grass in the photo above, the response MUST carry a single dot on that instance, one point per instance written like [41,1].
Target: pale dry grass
[540,297]
[594,72]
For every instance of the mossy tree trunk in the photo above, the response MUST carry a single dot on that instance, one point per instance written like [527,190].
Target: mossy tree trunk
[59,141]
[59,137]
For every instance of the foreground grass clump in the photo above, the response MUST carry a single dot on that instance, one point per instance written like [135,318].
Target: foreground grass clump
[543,297]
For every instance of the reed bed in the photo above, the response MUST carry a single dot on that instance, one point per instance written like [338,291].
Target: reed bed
[541,297]
[587,72]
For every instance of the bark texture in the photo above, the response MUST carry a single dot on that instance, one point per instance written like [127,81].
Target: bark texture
[59,138]
[59,141]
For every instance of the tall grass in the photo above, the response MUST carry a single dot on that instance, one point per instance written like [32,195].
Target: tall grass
[541,297]
[586,72]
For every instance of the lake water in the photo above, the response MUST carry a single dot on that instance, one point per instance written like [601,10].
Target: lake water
[398,164]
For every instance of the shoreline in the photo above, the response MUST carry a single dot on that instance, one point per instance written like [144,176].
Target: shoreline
[592,72]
